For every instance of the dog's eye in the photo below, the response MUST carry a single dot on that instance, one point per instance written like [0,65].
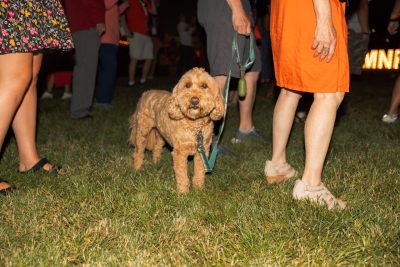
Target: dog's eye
[204,85]
[188,85]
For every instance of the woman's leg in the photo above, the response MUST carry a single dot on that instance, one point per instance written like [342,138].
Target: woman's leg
[15,75]
[395,101]
[24,123]
[283,117]
[317,132]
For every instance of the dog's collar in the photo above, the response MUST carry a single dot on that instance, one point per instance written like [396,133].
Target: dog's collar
[192,123]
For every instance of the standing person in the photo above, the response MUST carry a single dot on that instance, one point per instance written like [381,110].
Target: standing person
[108,54]
[186,49]
[87,25]
[358,35]
[393,27]
[309,42]
[140,43]
[220,19]
[23,40]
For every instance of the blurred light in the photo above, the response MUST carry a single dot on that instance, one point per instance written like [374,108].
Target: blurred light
[382,59]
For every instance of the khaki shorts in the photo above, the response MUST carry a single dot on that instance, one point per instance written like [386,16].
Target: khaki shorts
[140,46]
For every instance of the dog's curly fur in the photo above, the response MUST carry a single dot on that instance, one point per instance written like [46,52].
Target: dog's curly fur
[175,118]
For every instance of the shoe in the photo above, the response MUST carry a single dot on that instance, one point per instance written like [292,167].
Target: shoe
[225,152]
[103,105]
[66,96]
[277,173]
[8,187]
[131,83]
[142,81]
[39,166]
[252,135]
[300,116]
[47,95]
[318,194]
[389,118]
[86,117]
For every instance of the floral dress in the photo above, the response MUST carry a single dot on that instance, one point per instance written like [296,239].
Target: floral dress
[33,25]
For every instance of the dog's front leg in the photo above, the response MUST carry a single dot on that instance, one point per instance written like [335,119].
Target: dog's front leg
[180,168]
[199,172]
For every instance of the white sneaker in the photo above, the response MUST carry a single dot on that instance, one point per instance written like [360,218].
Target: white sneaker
[142,81]
[66,96]
[131,83]
[47,95]
[389,118]
[318,194]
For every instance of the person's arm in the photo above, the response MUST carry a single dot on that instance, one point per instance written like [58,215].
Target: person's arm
[110,4]
[393,25]
[152,8]
[325,34]
[362,15]
[240,21]
[123,6]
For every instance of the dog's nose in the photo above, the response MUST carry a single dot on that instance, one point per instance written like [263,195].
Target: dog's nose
[195,101]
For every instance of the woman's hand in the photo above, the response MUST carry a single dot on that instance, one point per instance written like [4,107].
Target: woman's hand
[324,40]
[393,26]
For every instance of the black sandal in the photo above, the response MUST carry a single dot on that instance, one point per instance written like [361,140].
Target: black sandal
[40,164]
[8,189]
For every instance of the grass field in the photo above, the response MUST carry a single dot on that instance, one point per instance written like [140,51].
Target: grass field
[103,214]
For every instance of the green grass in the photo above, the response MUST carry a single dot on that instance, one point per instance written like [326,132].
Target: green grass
[102,213]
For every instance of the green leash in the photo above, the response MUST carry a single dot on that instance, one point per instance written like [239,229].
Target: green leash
[242,90]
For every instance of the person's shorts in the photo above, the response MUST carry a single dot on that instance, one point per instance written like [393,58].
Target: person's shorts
[358,48]
[140,46]
[215,17]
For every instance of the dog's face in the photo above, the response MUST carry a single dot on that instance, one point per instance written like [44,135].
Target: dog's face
[196,96]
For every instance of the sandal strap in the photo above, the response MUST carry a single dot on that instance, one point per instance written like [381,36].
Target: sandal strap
[40,164]
[321,193]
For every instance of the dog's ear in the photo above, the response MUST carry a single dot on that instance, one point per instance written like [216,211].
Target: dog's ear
[219,110]
[174,112]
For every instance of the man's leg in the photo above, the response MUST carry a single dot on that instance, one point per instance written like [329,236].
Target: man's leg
[246,105]
[87,45]
[106,76]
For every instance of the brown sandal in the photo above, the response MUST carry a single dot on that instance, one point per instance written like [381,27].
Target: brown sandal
[318,194]
[277,173]
[8,187]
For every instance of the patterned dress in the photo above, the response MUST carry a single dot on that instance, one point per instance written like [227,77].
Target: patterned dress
[33,25]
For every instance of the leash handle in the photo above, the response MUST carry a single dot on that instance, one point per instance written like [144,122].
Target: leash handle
[210,163]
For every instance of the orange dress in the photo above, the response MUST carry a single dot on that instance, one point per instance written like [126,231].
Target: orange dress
[292,34]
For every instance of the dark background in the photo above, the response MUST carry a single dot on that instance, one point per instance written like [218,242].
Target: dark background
[379,10]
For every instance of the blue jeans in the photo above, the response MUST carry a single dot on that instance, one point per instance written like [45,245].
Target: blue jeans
[107,73]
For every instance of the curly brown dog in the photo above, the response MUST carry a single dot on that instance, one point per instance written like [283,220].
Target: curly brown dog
[162,116]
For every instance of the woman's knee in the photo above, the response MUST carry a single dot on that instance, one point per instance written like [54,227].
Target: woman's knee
[334,98]
[292,95]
